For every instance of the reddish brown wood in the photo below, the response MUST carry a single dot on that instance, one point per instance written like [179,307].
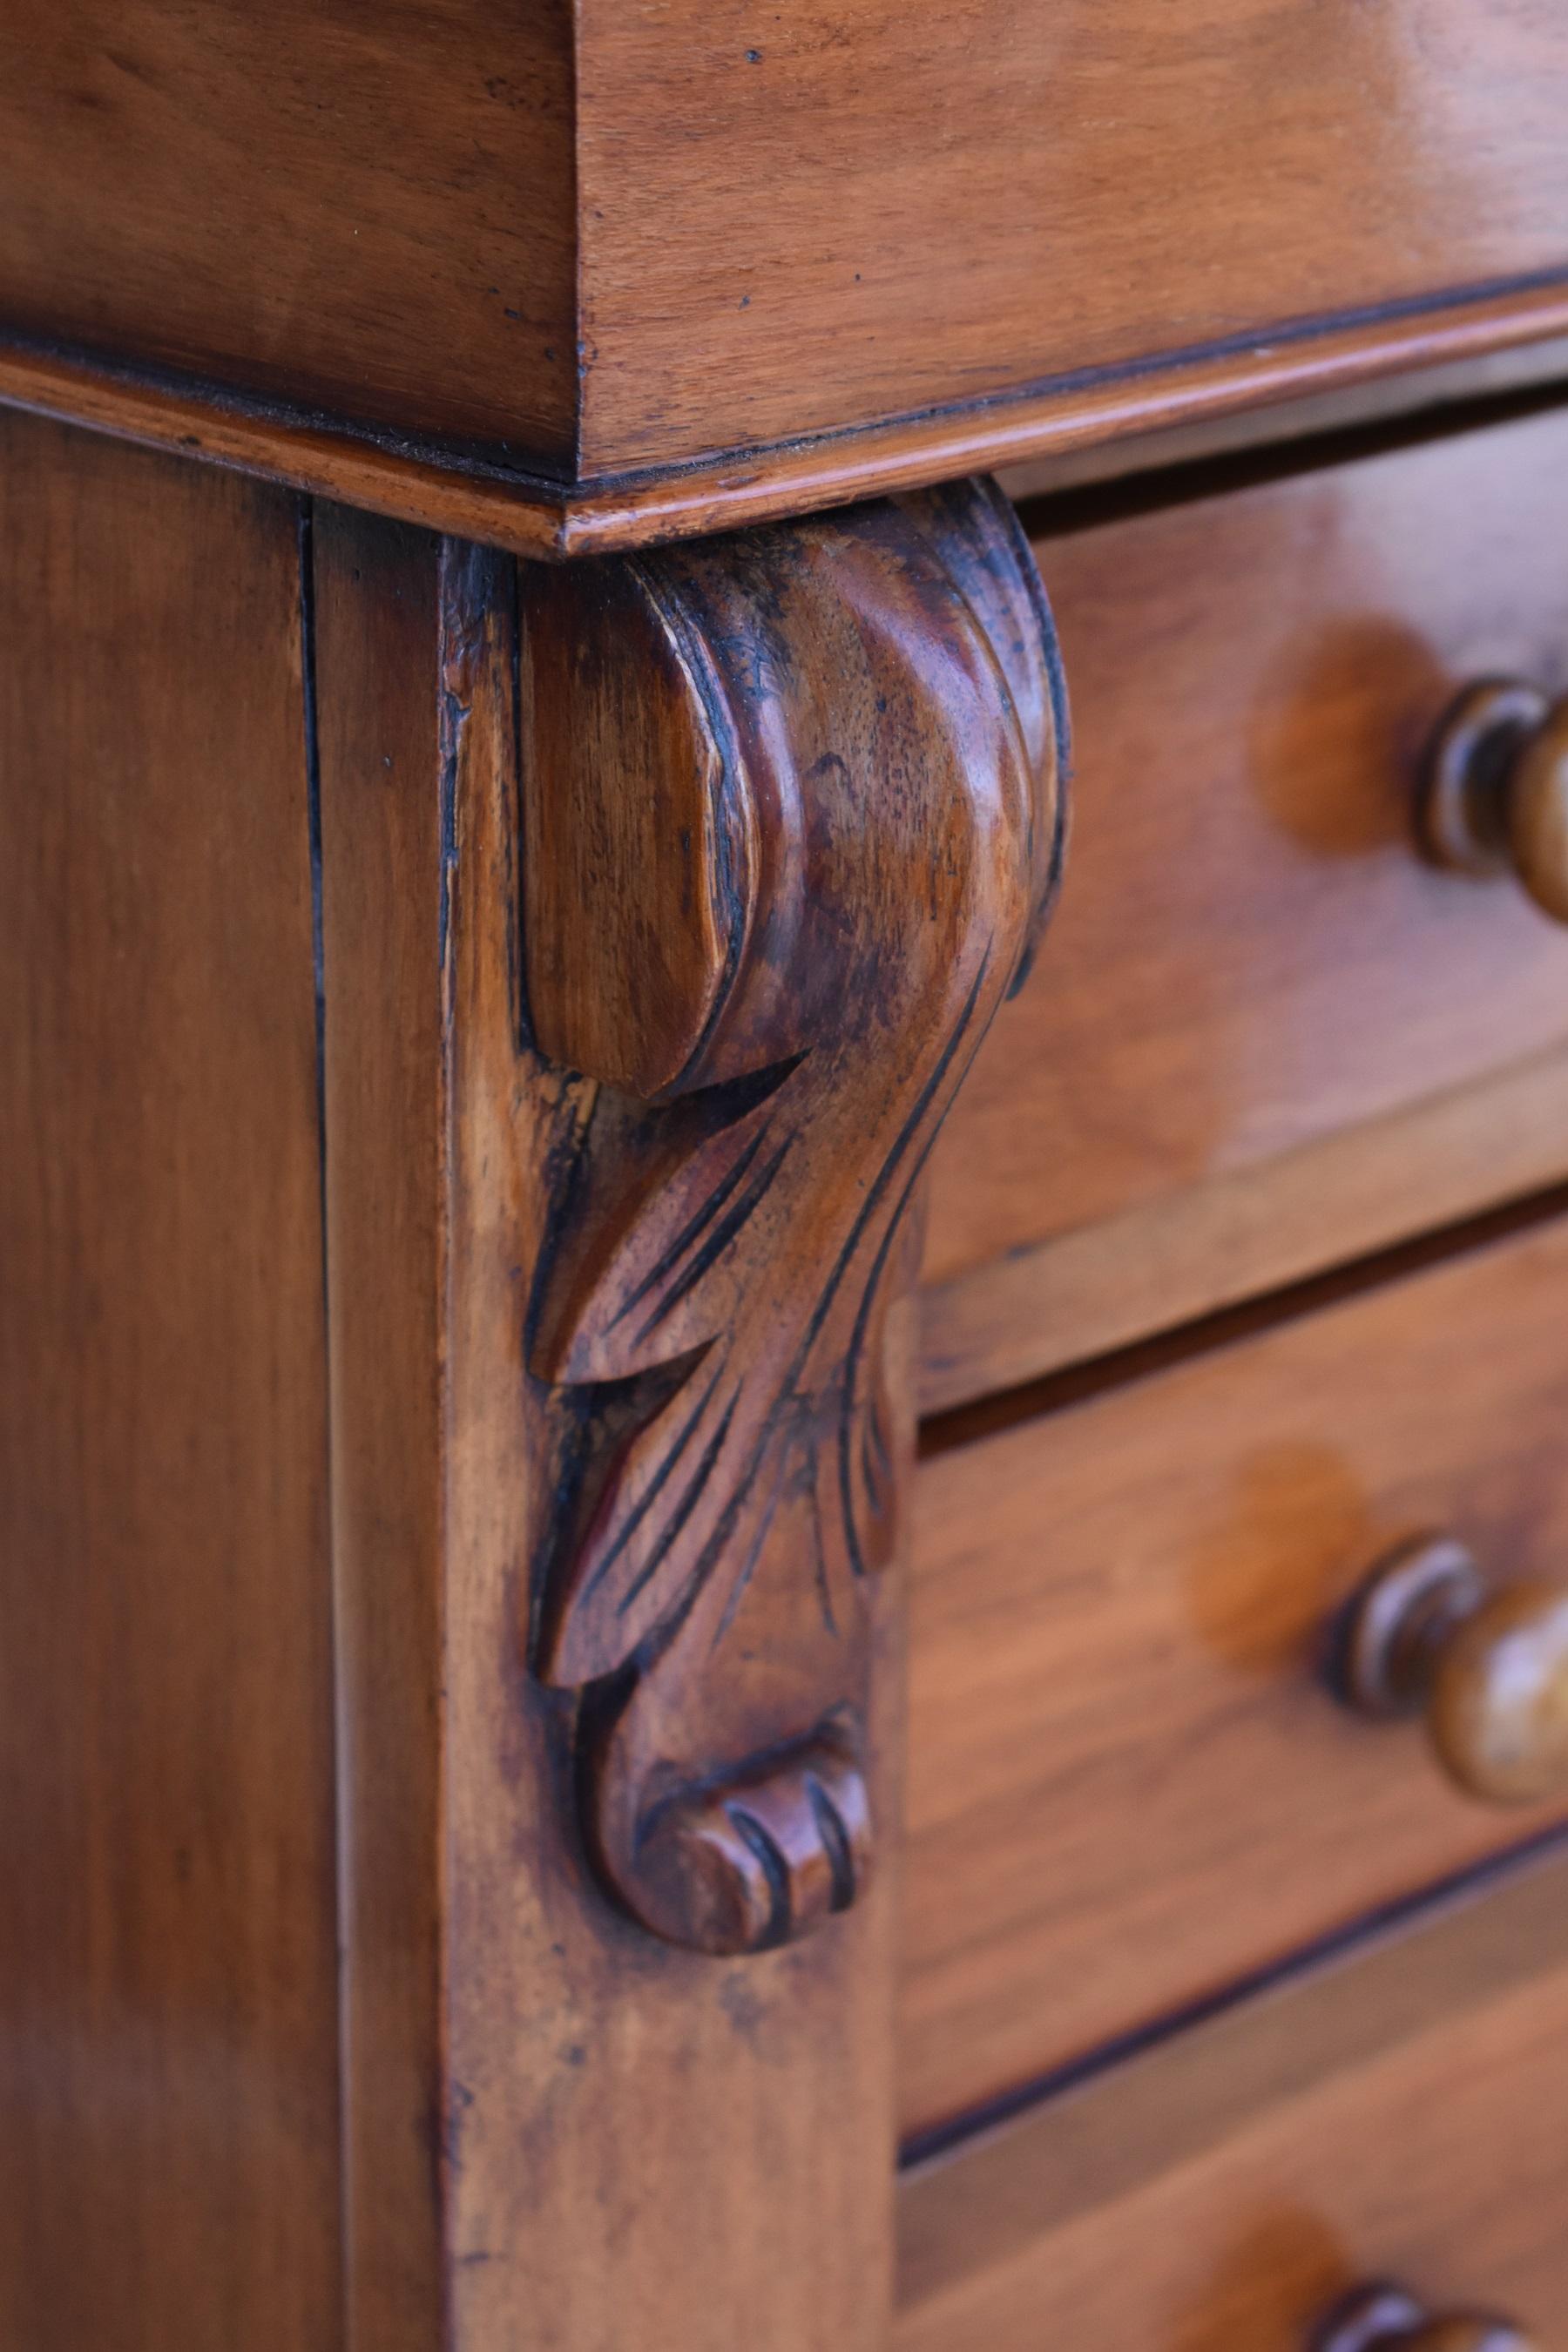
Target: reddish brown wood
[1345,1195]
[826,217]
[1255,963]
[1397,2115]
[1496,796]
[634,2135]
[1386,2319]
[321,207]
[627,1064]
[655,236]
[169,2161]
[1432,389]
[1379,366]
[581,2091]
[1486,1663]
[1130,1785]
[790,809]
[379,736]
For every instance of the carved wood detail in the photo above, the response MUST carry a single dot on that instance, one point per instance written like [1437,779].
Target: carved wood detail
[791,817]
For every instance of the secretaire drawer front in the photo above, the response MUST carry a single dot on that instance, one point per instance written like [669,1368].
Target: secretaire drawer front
[1399,2120]
[1249,1048]
[1130,1784]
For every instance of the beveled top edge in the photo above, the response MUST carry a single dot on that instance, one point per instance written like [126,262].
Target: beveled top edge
[547,520]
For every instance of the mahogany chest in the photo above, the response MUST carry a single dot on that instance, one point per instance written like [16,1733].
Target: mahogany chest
[783,1176]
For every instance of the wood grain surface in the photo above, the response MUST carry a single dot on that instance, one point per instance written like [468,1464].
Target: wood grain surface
[816,257]
[1128,1784]
[1481,1659]
[826,217]
[1400,2116]
[168,1962]
[807,780]
[610,2125]
[1412,395]
[374,608]
[1496,795]
[316,205]
[1386,365]
[1346,1196]
[1252,959]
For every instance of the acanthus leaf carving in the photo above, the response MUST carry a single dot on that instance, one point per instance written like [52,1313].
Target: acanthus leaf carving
[791,814]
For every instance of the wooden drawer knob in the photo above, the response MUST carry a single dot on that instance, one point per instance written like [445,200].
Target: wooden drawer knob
[1495,798]
[1386,2319]
[1486,1664]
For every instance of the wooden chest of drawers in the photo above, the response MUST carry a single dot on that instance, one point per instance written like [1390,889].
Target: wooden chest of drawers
[783,1177]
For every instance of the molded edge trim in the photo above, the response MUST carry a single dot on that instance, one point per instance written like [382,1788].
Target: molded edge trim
[468,498]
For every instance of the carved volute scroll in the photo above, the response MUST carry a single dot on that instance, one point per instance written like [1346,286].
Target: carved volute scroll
[791,814]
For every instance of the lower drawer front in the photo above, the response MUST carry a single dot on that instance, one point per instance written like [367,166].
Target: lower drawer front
[1128,1786]
[1402,2116]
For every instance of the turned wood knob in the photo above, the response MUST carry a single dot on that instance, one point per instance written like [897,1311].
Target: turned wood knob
[1486,1664]
[1386,2319]
[1495,794]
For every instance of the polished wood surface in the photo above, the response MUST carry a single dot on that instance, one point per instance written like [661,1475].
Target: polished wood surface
[790,970]
[1496,796]
[1386,2319]
[316,206]
[1082,430]
[481,1021]
[379,713]
[704,273]
[168,1961]
[1386,365]
[1128,1782]
[1253,958]
[1350,1196]
[1486,1664]
[1273,417]
[1003,196]
[1400,2116]
[619,2125]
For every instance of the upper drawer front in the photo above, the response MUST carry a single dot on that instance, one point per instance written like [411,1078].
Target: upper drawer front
[1404,2117]
[1240,1054]
[1129,1786]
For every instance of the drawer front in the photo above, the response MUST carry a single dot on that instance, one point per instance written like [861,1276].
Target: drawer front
[1248,1045]
[1129,1785]
[1404,2116]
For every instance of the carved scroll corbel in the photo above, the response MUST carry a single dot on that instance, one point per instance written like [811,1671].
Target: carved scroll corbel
[790,816]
